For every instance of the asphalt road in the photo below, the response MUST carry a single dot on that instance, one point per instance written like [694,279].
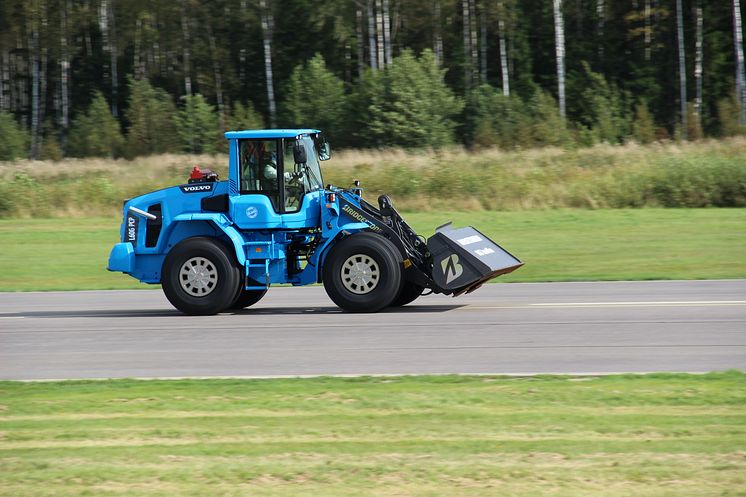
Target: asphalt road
[501,328]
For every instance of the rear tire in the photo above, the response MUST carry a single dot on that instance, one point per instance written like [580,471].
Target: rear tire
[362,273]
[409,294]
[247,298]
[200,276]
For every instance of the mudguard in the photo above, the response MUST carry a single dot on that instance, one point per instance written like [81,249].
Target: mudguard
[225,225]
[464,259]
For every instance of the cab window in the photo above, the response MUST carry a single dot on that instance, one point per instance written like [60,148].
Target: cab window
[259,166]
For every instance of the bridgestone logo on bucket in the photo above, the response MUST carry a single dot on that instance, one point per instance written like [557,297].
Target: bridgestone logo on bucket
[451,268]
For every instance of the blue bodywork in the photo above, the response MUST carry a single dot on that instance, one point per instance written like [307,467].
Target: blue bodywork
[272,247]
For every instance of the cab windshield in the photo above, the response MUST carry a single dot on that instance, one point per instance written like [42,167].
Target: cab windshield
[315,181]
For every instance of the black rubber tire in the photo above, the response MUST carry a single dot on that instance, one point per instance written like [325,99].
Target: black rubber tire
[228,276]
[409,294]
[386,256]
[247,298]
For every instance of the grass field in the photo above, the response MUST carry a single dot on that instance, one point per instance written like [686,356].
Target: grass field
[709,173]
[658,435]
[564,245]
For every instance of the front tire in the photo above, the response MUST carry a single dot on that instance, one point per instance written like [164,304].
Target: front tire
[362,273]
[200,277]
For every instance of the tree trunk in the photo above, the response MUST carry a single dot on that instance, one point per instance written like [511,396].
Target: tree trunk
[682,67]
[88,43]
[217,74]
[559,36]
[103,24]
[4,78]
[372,49]
[648,31]
[503,50]
[482,44]
[437,33]
[137,57]
[467,44]
[387,33]
[738,42]
[113,55]
[242,51]
[348,62]
[360,41]
[699,55]
[13,80]
[600,27]
[64,71]
[473,40]
[44,50]
[185,49]
[379,34]
[268,24]
[34,47]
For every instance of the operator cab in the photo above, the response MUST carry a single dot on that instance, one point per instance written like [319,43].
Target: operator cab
[279,177]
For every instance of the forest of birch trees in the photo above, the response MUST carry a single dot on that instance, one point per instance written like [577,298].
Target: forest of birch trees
[132,77]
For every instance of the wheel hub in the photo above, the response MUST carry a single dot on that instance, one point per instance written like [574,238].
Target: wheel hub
[360,274]
[198,277]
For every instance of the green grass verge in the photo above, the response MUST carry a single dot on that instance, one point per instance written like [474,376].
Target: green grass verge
[565,245]
[658,435]
[709,173]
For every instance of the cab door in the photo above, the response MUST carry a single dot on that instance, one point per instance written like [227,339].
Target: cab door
[274,190]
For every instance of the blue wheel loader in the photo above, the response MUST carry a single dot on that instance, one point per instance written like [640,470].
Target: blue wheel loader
[219,245]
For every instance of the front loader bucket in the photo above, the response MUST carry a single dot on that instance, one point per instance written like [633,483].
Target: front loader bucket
[464,259]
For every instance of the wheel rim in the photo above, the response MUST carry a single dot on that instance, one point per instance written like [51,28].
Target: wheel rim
[198,277]
[360,274]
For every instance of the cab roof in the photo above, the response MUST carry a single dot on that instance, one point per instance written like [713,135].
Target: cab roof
[269,133]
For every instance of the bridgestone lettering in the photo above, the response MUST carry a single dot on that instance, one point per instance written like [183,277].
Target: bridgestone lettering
[356,215]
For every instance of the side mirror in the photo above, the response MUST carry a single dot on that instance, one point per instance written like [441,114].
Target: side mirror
[325,151]
[299,153]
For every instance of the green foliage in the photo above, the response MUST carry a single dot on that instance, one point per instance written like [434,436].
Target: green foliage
[729,115]
[96,132]
[197,125]
[50,147]
[643,127]
[13,139]
[606,75]
[151,114]
[599,106]
[604,176]
[547,125]
[700,182]
[492,119]
[243,117]
[410,105]
[316,99]
[686,175]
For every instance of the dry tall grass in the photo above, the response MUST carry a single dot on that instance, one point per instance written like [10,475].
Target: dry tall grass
[708,173]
